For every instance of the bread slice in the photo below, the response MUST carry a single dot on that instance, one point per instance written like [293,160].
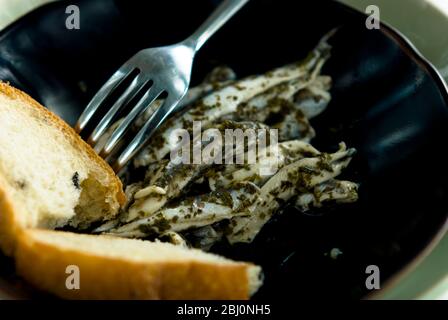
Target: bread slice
[118,268]
[49,177]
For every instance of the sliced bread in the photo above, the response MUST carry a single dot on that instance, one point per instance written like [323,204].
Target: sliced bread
[49,177]
[118,268]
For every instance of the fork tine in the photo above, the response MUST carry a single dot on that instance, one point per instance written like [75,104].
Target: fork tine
[148,98]
[146,132]
[129,93]
[99,97]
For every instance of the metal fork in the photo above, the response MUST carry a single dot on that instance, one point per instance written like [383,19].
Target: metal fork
[168,68]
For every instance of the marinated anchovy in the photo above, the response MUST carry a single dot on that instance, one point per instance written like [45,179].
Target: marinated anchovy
[296,178]
[314,99]
[293,103]
[306,104]
[130,191]
[206,237]
[174,177]
[295,126]
[280,99]
[271,101]
[216,79]
[226,100]
[332,190]
[195,212]
[287,152]
[174,238]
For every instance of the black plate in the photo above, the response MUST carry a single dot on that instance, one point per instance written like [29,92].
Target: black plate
[387,102]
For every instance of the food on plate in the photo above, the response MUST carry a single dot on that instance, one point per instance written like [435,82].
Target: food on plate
[50,179]
[235,200]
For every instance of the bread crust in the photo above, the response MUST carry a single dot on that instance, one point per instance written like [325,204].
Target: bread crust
[102,277]
[9,228]
[10,225]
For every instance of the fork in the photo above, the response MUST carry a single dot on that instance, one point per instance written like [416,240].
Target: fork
[167,70]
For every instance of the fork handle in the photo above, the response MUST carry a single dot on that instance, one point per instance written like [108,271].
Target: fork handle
[221,15]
